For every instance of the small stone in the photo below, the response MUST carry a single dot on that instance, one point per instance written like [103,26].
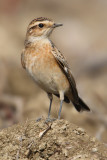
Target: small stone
[93,139]
[81,130]
[65,152]
[77,157]
[94,149]
[50,152]
[42,146]
[64,127]
[27,152]
[76,132]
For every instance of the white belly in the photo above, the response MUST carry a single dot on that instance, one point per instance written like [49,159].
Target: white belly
[45,81]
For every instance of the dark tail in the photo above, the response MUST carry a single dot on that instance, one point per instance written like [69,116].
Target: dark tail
[81,106]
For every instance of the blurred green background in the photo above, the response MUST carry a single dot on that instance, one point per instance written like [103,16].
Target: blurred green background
[82,39]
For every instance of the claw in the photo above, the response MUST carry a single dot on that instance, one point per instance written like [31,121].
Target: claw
[38,119]
[49,120]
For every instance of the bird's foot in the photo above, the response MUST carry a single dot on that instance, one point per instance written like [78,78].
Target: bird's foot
[49,120]
[38,119]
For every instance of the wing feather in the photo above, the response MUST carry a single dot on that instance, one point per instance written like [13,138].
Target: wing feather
[65,67]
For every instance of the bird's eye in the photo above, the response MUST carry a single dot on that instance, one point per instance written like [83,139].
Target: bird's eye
[41,25]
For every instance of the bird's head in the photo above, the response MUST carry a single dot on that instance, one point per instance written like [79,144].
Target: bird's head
[41,27]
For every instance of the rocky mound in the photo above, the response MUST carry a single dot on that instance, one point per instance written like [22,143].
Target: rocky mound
[58,140]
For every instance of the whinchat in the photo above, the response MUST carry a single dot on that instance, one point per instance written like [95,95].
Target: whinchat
[47,65]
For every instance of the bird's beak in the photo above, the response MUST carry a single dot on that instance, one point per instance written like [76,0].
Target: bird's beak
[57,25]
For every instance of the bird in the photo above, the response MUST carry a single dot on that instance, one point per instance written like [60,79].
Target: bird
[48,66]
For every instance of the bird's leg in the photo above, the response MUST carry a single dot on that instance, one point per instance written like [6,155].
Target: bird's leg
[59,114]
[49,119]
[51,98]
[61,98]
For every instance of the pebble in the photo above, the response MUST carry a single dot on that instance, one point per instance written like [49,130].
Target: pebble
[94,149]
[65,152]
[42,146]
[81,130]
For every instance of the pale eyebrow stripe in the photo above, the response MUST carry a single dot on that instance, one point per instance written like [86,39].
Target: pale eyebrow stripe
[36,23]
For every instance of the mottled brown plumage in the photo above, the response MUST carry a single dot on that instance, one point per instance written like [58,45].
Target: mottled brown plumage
[47,65]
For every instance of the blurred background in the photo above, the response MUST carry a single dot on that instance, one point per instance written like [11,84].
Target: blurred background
[82,39]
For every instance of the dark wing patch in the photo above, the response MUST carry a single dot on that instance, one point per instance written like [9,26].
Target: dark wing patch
[65,68]
[71,81]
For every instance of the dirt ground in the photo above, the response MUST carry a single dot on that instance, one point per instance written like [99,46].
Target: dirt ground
[58,140]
